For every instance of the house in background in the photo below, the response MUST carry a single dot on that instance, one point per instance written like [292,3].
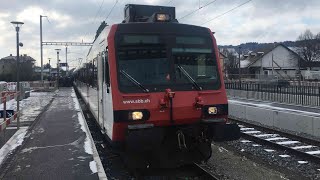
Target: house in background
[45,71]
[8,68]
[278,61]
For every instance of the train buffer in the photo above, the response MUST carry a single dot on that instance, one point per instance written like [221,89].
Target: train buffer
[57,146]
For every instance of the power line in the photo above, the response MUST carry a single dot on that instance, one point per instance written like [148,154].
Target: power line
[98,12]
[48,20]
[198,9]
[111,9]
[226,12]
[170,2]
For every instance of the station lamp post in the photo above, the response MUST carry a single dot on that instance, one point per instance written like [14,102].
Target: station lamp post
[58,66]
[41,47]
[49,68]
[17,25]
[240,65]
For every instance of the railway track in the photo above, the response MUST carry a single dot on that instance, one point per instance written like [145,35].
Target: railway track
[305,148]
[192,171]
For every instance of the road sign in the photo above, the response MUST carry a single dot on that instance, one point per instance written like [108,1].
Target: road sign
[10,113]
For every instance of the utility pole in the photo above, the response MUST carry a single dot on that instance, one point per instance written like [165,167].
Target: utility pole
[41,47]
[239,65]
[18,25]
[299,72]
[49,68]
[272,65]
[66,60]
[274,46]
[58,67]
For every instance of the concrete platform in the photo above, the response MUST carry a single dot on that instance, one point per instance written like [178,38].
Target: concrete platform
[57,146]
[298,119]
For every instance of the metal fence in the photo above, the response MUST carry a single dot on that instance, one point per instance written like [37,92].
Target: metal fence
[45,85]
[293,94]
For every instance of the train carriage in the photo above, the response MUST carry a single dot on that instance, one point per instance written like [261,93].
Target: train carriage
[156,89]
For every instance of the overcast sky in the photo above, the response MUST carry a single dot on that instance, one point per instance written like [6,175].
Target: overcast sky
[77,20]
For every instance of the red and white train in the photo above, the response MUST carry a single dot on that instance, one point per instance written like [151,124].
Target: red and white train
[156,89]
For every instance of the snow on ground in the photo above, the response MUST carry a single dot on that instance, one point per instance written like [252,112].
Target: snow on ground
[93,167]
[302,162]
[30,107]
[15,141]
[10,105]
[87,143]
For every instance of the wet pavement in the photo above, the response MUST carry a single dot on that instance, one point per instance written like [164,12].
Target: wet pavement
[56,147]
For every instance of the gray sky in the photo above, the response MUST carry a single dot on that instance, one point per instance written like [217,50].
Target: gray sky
[77,20]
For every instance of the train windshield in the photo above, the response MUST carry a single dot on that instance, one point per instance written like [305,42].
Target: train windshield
[154,63]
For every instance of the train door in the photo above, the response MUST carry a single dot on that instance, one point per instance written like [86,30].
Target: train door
[107,99]
[100,89]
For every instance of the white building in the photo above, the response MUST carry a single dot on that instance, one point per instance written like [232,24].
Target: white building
[279,61]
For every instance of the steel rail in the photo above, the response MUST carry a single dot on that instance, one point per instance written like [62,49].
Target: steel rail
[297,152]
[282,133]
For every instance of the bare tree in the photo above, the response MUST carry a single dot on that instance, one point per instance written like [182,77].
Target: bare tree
[309,47]
[47,66]
[232,59]
[231,65]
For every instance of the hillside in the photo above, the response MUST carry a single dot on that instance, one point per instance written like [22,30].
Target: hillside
[251,46]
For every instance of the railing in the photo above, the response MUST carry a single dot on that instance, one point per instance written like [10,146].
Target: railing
[8,118]
[291,94]
[45,85]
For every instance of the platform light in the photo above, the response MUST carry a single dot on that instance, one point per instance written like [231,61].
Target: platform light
[137,115]
[212,110]
[163,17]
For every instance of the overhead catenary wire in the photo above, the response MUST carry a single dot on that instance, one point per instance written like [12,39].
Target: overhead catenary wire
[200,7]
[97,13]
[111,9]
[48,20]
[99,10]
[220,15]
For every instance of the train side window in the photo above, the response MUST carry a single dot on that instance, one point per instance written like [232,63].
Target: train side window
[94,73]
[106,63]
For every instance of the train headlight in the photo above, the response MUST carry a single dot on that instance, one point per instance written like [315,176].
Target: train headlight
[162,17]
[137,115]
[212,110]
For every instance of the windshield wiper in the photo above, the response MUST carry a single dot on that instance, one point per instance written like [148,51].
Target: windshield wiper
[134,81]
[190,78]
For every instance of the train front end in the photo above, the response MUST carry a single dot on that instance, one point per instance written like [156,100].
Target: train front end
[170,101]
